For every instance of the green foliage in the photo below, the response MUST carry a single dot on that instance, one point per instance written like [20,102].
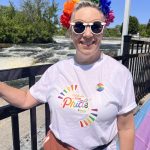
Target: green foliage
[148,28]
[36,22]
[142,30]
[133,25]
[112,32]
[95,1]
[62,31]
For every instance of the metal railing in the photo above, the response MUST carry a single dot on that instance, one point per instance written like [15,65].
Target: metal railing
[13,112]
[137,62]
[136,55]
[139,47]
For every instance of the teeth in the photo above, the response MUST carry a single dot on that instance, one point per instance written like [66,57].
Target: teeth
[88,43]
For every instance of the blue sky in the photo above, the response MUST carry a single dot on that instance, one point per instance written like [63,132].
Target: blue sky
[139,9]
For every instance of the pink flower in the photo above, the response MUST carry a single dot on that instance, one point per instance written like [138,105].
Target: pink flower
[110,18]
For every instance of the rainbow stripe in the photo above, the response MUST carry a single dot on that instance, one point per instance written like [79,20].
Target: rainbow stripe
[67,90]
[100,87]
[90,119]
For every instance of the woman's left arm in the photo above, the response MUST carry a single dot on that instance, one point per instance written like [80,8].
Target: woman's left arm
[126,131]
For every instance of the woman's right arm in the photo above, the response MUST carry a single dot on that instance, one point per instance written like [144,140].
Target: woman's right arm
[17,97]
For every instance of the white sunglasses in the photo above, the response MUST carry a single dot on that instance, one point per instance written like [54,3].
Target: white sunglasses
[96,27]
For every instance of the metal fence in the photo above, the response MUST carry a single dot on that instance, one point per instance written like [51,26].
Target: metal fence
[13,112]
[136,57]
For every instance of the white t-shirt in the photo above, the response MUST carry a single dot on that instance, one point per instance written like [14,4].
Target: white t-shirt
[84,100]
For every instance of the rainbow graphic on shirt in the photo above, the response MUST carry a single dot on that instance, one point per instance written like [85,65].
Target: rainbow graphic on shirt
[100,87]
[90,119]
[71,99]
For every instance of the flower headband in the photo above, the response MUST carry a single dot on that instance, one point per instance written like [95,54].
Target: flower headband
[104,6]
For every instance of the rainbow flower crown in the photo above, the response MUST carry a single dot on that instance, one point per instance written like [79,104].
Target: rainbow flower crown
[69,5]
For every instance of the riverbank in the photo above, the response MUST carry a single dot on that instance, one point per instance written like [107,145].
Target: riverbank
[5,45]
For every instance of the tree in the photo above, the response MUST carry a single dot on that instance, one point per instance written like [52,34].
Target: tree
[28,10]
[142,30]
[112,32]
[133,25]
[148,29]
[11,9]
[36,21]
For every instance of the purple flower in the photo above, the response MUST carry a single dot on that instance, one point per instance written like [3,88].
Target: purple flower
[105,6]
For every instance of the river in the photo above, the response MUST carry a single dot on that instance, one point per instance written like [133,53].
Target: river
[35,54]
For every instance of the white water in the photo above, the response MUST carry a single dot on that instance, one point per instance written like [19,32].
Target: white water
[27,55]
[15,62]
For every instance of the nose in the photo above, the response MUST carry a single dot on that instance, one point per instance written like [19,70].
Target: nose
[87,32]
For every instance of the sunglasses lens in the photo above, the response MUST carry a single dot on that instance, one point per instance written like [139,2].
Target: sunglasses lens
[97,27]
[79,27]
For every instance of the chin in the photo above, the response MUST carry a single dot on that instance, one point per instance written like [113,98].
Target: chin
[87,51]
[87,48]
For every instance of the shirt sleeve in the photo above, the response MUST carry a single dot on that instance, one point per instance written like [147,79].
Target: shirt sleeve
[128,100]
[41,88]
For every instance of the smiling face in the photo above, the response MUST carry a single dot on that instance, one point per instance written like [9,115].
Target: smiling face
[87,43]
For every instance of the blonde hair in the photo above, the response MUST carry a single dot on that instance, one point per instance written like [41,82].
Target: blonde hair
[84,4]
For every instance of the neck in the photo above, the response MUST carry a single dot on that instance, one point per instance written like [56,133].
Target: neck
[87,59]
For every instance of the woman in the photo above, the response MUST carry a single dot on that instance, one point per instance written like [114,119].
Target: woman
[91,96]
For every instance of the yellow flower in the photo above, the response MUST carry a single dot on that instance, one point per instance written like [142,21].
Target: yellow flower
[75,1]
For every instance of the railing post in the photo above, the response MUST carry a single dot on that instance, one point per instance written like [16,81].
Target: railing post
[126,50]
[47,118]
[15,132]
[33,117]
